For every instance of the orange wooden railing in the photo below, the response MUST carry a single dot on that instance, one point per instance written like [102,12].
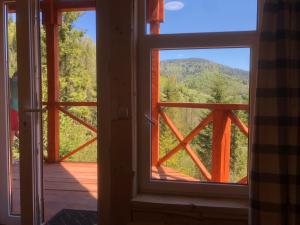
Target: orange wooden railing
[221,116]
[52,19]
[61,107]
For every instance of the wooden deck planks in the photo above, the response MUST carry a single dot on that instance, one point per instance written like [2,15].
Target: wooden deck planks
[165,173]
[74,186]
[66,185]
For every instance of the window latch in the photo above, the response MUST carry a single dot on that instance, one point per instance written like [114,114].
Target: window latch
[150,120]
[38,110]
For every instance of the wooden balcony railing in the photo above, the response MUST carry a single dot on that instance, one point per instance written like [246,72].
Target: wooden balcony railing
[221,116]
[61,107]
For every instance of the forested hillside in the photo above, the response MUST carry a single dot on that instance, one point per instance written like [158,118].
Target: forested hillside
[202,81]
[182,80]
[196,66]
[195,81]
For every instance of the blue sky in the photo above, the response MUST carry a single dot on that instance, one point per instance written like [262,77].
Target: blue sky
[190,16]
[233,57]
[87,22]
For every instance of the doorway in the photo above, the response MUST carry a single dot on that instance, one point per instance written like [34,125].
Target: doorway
[62,115]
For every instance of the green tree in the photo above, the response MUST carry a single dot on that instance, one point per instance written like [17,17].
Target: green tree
[77,73]
[12,45]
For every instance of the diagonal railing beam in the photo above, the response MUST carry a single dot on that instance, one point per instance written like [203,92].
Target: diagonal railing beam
[78,149]
[187,147]
[239,123]
[243,180]
[188,138]
[82,122]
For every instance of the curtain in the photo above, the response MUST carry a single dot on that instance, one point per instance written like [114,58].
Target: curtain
[275,171]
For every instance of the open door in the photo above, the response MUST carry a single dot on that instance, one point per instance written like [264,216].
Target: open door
[30,110]
[75,163]
[20,139]
[9,166]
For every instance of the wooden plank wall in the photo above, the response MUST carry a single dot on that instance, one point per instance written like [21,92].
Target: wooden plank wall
[115,88]
[180,210]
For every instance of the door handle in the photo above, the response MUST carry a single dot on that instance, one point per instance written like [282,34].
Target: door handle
[38,110]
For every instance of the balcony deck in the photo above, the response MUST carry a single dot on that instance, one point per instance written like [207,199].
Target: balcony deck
[74,186]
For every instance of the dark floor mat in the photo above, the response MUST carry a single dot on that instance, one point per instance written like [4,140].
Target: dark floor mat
[74,217]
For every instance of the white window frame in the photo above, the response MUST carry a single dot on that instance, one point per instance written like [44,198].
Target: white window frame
[213,40]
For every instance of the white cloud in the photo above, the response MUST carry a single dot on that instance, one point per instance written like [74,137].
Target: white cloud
[174,5]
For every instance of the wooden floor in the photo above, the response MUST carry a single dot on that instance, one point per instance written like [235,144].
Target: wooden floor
[66,185]
[74,186]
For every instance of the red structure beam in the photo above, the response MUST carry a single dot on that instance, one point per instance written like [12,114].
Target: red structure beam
[79,5]
[63,6]
[155,15]
[155,97]
[51,23]
[221,146]
[155,11]
[76,103]
[71,104]
[212,106]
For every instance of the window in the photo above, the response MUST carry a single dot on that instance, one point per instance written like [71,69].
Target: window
[190,16]
[197,68]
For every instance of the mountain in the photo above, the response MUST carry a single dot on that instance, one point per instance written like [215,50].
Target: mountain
[184,68]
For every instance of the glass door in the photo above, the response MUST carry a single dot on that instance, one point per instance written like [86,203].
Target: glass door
[30,110]
[53,71]
[9,118]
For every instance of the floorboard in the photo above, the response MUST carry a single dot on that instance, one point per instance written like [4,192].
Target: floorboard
[72,185]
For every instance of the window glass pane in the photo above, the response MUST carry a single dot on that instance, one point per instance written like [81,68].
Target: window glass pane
[13,110]
[201,133]
[193,16]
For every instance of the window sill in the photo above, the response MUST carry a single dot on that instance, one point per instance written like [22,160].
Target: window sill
[234,211]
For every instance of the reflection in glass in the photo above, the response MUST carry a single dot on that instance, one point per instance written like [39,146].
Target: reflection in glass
[202,109]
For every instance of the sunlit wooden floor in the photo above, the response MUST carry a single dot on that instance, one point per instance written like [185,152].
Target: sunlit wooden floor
[74,186]
[66,185]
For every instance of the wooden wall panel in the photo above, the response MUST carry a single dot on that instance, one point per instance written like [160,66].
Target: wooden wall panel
[172,217]
[115,75]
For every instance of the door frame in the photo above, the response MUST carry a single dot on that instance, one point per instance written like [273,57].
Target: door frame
[6,216]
